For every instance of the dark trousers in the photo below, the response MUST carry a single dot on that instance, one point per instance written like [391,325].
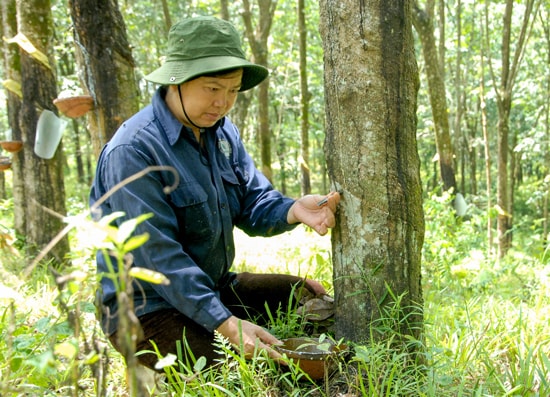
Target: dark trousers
[246,299]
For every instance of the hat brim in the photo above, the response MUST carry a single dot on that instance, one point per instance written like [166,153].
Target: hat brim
[177,72]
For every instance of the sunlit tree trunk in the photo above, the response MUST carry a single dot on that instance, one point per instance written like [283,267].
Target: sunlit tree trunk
[510,62]
[371,84]
[257,39]
[239,113]
[304,101]
[2,187]
[166,13]
[441,41]
[461,137]
[79,153]
[106,65]
[423,23]
[43,179]
[544,18]
[486,146]
[224,7]
[12,73]
[504,218]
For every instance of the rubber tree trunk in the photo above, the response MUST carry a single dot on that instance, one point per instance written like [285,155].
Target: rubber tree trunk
[304,102]
[423,23]
[43,178]
[258,36]
[12,73]
[107,66]
[371,85]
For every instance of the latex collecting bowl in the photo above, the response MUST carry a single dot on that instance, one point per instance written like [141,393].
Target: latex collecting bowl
[314,356]
[5,163]
[12,146]
[74,106]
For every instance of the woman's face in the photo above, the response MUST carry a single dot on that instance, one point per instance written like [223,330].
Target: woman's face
[207,99]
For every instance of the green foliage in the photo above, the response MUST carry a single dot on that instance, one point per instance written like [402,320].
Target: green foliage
[383,371]
[42,333]
[287,324]
[482,316]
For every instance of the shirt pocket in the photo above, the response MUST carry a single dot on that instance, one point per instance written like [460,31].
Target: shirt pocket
[234,188]
[195,221]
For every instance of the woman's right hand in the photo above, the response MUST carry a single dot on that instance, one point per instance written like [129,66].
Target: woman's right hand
[252,334]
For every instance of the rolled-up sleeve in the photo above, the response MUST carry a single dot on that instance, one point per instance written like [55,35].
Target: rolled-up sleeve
[264,209]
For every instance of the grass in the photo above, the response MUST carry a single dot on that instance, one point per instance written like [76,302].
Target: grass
[487,326]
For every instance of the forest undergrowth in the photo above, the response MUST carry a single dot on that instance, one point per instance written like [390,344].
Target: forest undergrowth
[487,323]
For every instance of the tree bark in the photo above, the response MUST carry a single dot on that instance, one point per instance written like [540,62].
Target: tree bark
[107,66]
[167,17]
[545,212]
[79,155]
[488,178]
[423,23]
[371,85]
[504,217]
[504,92]
[257,39]
[462,148]
[304,101]
[224,7]
[43,179]
[12,71]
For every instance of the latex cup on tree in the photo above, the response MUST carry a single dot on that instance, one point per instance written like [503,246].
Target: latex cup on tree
[49,131]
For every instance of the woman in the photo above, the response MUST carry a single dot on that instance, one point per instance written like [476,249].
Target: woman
[190,232]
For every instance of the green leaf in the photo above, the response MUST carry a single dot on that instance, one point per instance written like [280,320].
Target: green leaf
[129,226]
[66,349]
[135,242]
[149,275]
[362,354]
[13,86]
[25,44]
[200,364]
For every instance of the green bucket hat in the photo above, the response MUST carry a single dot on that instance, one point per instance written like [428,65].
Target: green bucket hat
[205,45]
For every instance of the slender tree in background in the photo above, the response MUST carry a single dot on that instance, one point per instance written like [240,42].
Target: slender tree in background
[239,113]
[43,186]
[504,86]
[2,186]
[83,174]
[167,17]
[77,136]
[544,15]
[304,101]
[424,25]
[106,64]
[371,84]
[257,39]
[464,147]
[224,7]
[484,128]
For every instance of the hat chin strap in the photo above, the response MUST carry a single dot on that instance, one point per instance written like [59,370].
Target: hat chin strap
[201,129]
[202,147]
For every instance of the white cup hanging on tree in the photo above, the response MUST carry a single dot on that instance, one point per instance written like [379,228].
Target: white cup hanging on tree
[49,131]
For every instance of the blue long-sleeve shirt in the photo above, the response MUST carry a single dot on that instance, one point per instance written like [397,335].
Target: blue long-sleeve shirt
[190,233]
